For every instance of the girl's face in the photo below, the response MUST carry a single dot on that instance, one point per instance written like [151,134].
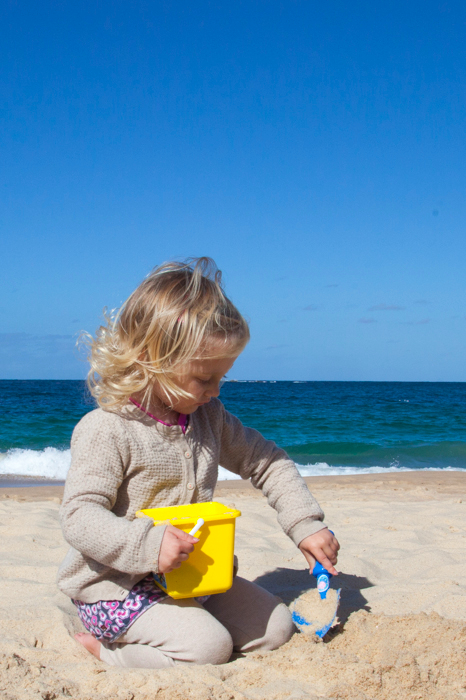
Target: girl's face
[202,379]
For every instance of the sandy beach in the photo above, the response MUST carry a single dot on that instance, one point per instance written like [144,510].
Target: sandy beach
[402,629]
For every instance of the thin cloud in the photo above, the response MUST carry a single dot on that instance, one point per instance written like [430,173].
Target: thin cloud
[21,340]
[422,322]
[387,307]
[328,286]
[310,307]
[367,320]
[12,339]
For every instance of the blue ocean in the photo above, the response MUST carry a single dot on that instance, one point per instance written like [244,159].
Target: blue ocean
[326,427]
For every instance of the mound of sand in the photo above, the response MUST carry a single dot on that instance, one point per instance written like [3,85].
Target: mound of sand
[415,657]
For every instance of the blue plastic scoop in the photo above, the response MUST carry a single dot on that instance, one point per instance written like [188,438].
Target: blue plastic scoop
[315,611]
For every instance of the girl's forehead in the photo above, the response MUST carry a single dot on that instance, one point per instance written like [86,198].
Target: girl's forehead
[211,365]
[216,356]
[217,349]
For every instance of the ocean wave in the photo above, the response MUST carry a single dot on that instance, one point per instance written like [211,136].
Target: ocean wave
[52,463]
[225,475]
[362,455]
[323,469]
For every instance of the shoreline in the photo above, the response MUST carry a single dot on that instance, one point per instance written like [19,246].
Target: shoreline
[412,485]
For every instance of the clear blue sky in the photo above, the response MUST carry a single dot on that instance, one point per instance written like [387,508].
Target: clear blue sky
[315,150]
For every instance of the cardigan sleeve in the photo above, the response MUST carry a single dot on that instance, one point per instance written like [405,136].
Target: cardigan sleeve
[99,453]
[244,451]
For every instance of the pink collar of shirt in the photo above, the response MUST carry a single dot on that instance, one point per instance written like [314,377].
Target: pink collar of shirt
[182,418]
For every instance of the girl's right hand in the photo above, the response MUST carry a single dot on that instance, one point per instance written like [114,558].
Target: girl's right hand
[175,548]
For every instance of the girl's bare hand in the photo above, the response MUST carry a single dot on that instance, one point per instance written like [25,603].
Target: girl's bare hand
[323,547]
[175,548]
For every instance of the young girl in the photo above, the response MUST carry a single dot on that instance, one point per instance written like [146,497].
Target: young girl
[157,440]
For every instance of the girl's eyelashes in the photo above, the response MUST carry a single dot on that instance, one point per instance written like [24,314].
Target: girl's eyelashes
[202,381]
[208,381]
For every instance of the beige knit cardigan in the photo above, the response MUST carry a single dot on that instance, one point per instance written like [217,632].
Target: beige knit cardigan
[124,462]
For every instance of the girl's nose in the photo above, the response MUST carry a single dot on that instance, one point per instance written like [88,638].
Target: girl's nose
[213,390]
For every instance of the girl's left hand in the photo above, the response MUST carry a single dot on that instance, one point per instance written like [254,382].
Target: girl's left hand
[323,547]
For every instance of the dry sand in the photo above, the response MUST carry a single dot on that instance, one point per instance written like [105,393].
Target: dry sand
[402,633]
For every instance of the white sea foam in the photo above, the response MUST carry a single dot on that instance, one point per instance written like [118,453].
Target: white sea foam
[324,469]
[225,475]
[49,463]
[52,463]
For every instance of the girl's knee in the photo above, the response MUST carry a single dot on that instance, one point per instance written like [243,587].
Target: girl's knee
[280,628]
[216,647]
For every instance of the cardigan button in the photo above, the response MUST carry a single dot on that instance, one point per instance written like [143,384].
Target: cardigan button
[190,486]
[187,454]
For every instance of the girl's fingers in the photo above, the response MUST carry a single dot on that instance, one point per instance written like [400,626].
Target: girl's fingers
[326,561]
[322,547]
[321,557]
[330,554]
[175,549]
[184,536]
[327,564]
[185,547]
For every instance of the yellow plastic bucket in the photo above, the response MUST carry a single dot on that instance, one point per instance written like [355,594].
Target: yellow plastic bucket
[209,568]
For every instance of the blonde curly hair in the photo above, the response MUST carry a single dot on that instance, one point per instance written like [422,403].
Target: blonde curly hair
[170,319]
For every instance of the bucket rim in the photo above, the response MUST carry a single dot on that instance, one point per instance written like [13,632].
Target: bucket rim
[229,514]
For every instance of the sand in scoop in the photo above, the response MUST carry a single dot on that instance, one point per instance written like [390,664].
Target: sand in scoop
[314,615]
